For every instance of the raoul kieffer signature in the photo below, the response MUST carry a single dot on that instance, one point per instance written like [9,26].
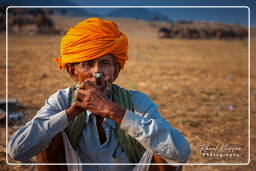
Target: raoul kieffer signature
[223,148]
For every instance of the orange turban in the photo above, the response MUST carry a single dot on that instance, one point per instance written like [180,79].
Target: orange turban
[91,39]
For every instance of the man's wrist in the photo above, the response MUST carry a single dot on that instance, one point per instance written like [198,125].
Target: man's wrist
[72,112]
[116,113]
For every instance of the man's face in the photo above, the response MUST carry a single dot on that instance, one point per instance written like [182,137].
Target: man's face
[84,71]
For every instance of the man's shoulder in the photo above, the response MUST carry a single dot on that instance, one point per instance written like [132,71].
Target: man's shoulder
[143,104]
[139,98]
[61,93]
[138,94]
[133,93]
[60,98]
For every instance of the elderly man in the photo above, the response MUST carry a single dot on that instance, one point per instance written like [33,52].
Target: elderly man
[96,121]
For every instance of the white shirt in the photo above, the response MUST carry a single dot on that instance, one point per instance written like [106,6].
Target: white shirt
[144,124]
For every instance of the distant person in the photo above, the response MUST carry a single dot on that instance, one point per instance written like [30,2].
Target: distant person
[96,121]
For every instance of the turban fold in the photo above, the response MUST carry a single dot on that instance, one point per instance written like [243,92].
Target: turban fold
[91,39]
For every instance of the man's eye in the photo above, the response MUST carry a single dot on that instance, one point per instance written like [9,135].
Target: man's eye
[87,63]
[106,63]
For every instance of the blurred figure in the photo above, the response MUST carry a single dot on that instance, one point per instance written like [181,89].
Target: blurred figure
[31,21]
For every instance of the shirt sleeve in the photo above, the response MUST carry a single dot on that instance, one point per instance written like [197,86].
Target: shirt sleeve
[153,132]
[36,135]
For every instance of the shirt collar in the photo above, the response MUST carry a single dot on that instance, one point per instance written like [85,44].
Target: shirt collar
[111,123]
[88,114]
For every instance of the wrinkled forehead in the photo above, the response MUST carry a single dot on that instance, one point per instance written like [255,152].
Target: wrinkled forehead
[107,57]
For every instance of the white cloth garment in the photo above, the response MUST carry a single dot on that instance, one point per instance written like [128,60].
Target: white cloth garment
[145,124]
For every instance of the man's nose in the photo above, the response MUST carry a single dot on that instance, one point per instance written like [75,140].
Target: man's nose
[97,67]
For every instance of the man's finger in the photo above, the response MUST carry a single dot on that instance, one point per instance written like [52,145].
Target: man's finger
[80,97]
[93,84]
[83,85]
[88,85]
[81,105]
[82,91]
[85,106]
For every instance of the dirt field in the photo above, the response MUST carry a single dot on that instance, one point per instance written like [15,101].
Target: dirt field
[201,86]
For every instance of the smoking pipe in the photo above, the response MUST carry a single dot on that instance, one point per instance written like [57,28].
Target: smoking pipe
[98,76]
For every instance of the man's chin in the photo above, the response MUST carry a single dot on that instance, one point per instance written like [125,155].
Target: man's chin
[106,89]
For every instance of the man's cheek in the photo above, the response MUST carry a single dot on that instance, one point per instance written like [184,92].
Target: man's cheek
[108,79]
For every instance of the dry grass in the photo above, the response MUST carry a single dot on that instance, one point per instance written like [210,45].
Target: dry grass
[194,82]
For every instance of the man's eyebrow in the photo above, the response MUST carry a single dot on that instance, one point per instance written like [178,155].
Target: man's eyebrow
[105,60]
[89,61]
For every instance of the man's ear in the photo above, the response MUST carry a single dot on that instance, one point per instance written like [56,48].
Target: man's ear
[72,71]
[117,70]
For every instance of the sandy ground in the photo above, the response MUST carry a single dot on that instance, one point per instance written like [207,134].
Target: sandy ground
[200,86]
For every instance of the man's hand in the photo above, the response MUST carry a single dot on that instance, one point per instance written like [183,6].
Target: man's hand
[91,97]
